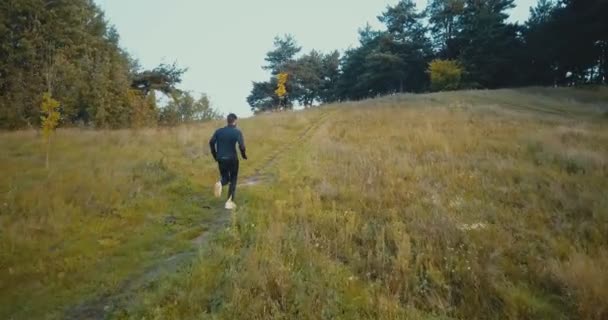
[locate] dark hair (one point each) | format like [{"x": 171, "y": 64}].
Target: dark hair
[{"x": 231, "y": 118}]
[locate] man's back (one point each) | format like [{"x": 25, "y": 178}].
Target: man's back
[{"x": 225, "y": 140}]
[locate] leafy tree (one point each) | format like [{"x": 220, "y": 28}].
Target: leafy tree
[
  {"x": 143, "y": 111},
  {"x": 50, "y": 120},
  {"x": 445, "y": 74},
  {"x": 48, "y": 44},
  {"x": 67, "y": 47},
  {"x": 169, "y": 115},
  {"x": 203, "y": 111},
  {"x": 281, "y": 82},
  {"x": 184, "y": 108}
]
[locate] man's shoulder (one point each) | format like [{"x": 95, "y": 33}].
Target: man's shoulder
[
  {"x": 228, "y": 130},
  {"x": 233, "y": 129},
  {"x": 220, "y": 130}
]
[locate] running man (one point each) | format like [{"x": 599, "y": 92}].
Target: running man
[{"x": 223, "y": 149}]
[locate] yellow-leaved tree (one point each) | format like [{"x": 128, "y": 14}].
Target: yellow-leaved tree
[
  {"x": 50, "y": 120},
  {"x": 445, "y": 74},
  {"x": 281, "y": 91},
  {"x": 143, "y": 112}
]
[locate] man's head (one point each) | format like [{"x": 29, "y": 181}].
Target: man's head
[{"x": 231, "y": 119}]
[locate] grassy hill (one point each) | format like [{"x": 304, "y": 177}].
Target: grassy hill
[{"x": 474, "y": 204}]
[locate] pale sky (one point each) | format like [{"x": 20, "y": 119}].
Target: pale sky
[{"x": 223, "y": 43}]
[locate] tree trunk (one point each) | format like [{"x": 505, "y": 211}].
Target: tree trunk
[
  {"x": 48, "y": 151},
  {"x": 604, "y": 64}
]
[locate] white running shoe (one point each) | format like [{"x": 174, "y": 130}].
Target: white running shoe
[
  {"x": 230, "y": 205},
  {"x": 217, "y": 189}
]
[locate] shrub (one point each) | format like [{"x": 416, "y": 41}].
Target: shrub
[{"x": 445, "y": 74}]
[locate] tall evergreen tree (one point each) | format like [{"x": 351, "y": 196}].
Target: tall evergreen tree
[
  {"x": 444, "y": 22},
  {"x": 540, "y": 44},
  {"x": 307, "y": 73},
  {"x": 491, "y": 48},
  {"x": 285, "y": 49},
  {"x": 583, "y": 30},
  {"x": 262, "y": 97},
  {"x": 282, "y": 58},
  {"x": 407, "y": 48},
  {"x": 331, "y": 75},
  {"x": 390, "y": 61},
  {"x": 353, "y": 84}
]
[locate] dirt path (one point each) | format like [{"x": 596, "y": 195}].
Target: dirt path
[
  {"x": 260, "y": 174},
  {"x": 125, "y": 296}
]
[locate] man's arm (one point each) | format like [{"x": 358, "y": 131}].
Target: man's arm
[
  {"x": 212, "y": 142},
  {"x": 242, "y": 145}
]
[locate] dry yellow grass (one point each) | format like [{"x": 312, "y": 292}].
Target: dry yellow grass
[
  {"x": 463, "y": 205},
  {"x": 113, "y": 204}
]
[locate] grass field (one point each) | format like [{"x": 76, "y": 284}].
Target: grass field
[{"x": 457, "y": 205}]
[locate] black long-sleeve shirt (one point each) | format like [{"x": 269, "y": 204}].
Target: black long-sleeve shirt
[{"x": 223, "y": 143}]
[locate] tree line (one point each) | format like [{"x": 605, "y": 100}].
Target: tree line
[
  {"x": 450, "y": 44},
  {"x": 66, "y": 48}
]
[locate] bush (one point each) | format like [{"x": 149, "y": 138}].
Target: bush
[{"x": 445, "y": 74}]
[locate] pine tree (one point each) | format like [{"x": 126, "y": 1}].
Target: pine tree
[
  {"x": 491, "y": 50},
  {"x": 444, "y": 22}
]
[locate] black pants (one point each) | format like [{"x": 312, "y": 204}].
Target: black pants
[{"x": 229, "y": 170}]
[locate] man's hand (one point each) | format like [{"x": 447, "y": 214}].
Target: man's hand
[{"x": 244, "y": 156}]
